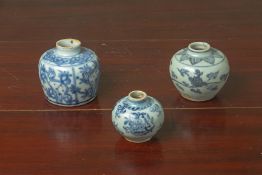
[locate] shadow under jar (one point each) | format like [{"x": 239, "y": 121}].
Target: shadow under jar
[
  {"x": 199, "y": 71},
  {"x": 69, "y": 73}
]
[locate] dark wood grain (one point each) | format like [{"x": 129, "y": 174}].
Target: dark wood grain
[
  {"x": 135, "y": 41},
  {"x": 198, "y": 141},
  {"x": 23, "y": 20}
]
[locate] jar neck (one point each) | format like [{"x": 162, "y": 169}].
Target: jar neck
[
  {"x": 68, "y": 47},
  {"x": 137, "y": 96},
  {"x": 199, "y": 49}
]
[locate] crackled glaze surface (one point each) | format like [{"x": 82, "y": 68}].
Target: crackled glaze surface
[
  {"x": 197, "y": 75},
  {"x": 69, "y": 80},
  {"x": 138, "y": 121}
]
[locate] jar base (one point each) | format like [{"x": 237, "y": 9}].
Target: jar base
[
  {"x": 138, "y": 140},
  {"x": 74, "y": 105},
  {"x": 197, "y": 100}
]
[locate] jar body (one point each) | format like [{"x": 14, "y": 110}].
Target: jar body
[
  {"x": 138, "y": 121},
  {"x": 199, "y": 76},
  {"x": 69, "y": 80}
]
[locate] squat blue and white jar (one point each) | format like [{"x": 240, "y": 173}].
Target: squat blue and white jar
[
  {"x": 69, "y": 73},
  {"x": 199, "y": 71},
  {"x": 138, "y": 116}
]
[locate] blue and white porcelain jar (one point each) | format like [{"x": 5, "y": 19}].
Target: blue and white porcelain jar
[
  {"x": 69, "y": 73},
  {"x": 199, "y": 71},
  {"x": 137, "y": 116}
]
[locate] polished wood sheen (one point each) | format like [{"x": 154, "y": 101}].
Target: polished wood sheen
[{"x": 135, "y": 41}]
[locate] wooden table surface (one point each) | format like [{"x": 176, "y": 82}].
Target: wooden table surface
[{"x": 135, "y": 40}]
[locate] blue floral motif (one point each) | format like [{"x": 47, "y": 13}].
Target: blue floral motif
[
  {"x": 74, "y": 89},
  {"x": 51, "y": 73},
  {"x": 223, "y": 77},
  {"x": 185, "y": 84},
  {"x": 68, "y": 98},
  {"x": 180, "y": 87},
  {"x": 69, "y": 80},
  {"x": 87, "y": 93},
  {"x": 173, "y": 75},
  {"x": 212, "y": 75},
  {"x": 85, "y": 70},
  {"x": 212, "y": 87},
  {"x": 53, "y": 58},
  {"x": 200, "y": 71},
  {"x": 156, "y": 108},
  {"x": 211, "y": 59},
  {"x": 43, "y": 75},
  {"x": 120, "y": 110},
  {"x": 183, "y": 72},
  {"x": 196, "y": 81},
  {"x": 196, "y": 91},
  {"x": 137, "y": 120},
  {"x": 127, "y": 104},
  {"x": 51, "y": 93},
  {"x": 61, "y": 86},
  {"x": 88, "y": 70},
  {"x": 139, "y": 125},
  {"x": 64, "y": 77}
]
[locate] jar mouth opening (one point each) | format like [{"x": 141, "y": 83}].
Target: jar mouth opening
[
  {"x": 199, "y": 46},
  {"x": 137, "y": 95},
  {"x": 68, "y": 43}
]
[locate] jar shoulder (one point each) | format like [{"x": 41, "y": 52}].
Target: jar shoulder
[
  {"x": 212, "y": 58},
  {"x": 86, "y": 55},
  {"x": 213, "y": 62},
  {"x": 126, "y": 106}
]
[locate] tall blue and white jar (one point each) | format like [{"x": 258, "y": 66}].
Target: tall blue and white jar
[
  {"x": 199, "y": 71},
  {"x": 69, "y": 73},
  {"x": 137, "y": 116}
]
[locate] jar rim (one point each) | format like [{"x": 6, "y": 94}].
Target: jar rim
[
  {"x": 68, "y": 43},
  {"x": 199, "y": 46},
  {"x": 137, "y": 95}
]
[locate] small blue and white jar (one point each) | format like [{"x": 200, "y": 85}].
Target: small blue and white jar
[
  {"x": 137, "y": 116},
  {"x": 199, "y": 71},
  {"x": 69, "y": 73}
]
